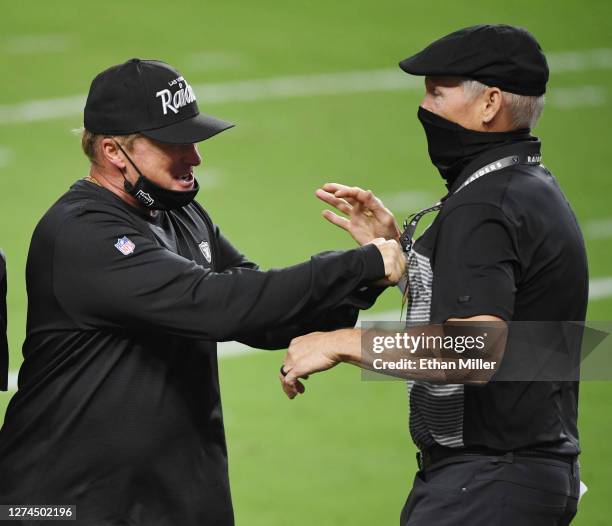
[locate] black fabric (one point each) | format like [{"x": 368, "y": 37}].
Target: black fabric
[
  {"x": 475, "y": 260},
  {"x": 500, "y": 55},
  {"x": 509, "y": 245},
  {"x": 152, "y": 195},
  {"x": 199, "y": 128},
  {"x": 452, "y": 147},
  {"x": 150, "y": 97},
  {"x": 118, "y": 409},
  {"x": 439, "y": 455},
  {"x": 4, "y": 353},
  {"x": 505, "y": 491}
]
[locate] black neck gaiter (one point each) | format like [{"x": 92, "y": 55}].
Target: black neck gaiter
[
  {"x": 154, "y": 196},
  {"x": 452, "y": 147},
  {"x": 151, "y": 195}
]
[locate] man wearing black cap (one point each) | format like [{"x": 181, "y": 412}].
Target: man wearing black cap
[
  {"x": 130, "y": 286},
  {"x": 504, "y": 246}
]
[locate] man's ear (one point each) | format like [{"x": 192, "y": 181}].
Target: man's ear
[
  {"x": 491, "y": 105},
  {"x": 111, "y": 152}
]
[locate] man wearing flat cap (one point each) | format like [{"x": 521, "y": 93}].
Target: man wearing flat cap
[
  {"x": 130, "y": 286},
  {"x": 504, "y": 247}
]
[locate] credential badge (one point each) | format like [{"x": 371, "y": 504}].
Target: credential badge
[{"x": 205, "y": 249}]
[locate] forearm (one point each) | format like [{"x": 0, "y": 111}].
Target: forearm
[
  {"x": 425, "y": 364},
  {"x": 351, "y": 351},
  {"x": 315, "y": 297},
  {"x": 280, "y": 336},
  {"x": 451, "y": 353},
  {"x": 175, "y": 296},
  {"x": 343, "y": 315}
]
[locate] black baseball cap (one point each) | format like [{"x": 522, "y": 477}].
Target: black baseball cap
[
  {"x": 148, "y": 97},
  {"x": 499, "y": 55}
]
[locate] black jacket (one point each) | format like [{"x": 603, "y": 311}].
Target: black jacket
[{"x": 118, "y": 409}]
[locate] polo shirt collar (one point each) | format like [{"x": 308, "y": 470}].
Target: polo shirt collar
[{"x": 530, "y": 146}]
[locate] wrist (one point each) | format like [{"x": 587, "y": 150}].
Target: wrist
[{"x": 349, "y": 346}]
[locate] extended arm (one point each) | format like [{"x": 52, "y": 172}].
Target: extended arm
[
  {"x": 316, "y": 318},
  {"x": 155, "y": 290},
  {"x": 469, "y": 285},
  {"x": 320, "y": 351}
]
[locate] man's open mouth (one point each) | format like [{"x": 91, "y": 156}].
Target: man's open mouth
[{"x": 186, "y": 180}]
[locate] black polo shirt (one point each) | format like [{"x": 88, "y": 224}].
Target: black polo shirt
[{"x": 507, "y": 245}]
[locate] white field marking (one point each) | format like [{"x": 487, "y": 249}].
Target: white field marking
[
  {"x": 310, "y": 85},
  {"x": 42, "y": 110},
  {"x": 598, "y": 228},
  {"x": 407, "y": 201},
  {"x": 30, "y": 44},
  {"x": 600, "y": 288},
  {"x": 577, "y": 96},
  {"x": 234, "y": 91},
  {"x": 6, "y": 156},
  {"x": 215, "y": 60},
  {"x": 313, "y": 85},
  {"x": 12, "y": 380},
  {"x": 565, "y": 61}
]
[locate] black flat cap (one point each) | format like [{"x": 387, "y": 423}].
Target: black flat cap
[{"x": 500, "y": 55}]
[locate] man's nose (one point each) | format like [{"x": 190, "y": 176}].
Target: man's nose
[
  {"x": 425, "y": 103},
  {"x": 192, "y": 154}
]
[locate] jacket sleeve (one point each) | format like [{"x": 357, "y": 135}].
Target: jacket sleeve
[
  {"x": 149, "y": 288},
  {"x": 343, "y": 314}
]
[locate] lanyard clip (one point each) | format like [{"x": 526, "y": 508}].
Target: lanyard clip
[{"x": 405, "y": 238}]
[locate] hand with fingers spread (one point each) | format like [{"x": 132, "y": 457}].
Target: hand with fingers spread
[
  {"x": 313, "y": 353},
  {"x": 393, "y": 257},
  {"x": 367, "y": 216}
]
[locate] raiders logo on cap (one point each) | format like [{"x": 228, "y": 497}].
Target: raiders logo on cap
[{"x": 148, "y": 97}]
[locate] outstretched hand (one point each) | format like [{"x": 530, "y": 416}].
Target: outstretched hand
[
  {"x": 316, "y": 352},
  {"x": 368, "y": 218}
]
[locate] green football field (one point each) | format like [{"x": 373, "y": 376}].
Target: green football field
[{"x": 316, "y": 94}]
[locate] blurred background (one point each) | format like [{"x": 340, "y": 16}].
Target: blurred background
[{"x": 317, "y": 96}]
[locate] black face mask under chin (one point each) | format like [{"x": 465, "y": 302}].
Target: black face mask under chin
[
  {"x": 452, "y": 147},
  {"x": 152, "y": 195}
]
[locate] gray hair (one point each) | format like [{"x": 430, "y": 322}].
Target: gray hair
[{"x": 524, "y": 110}]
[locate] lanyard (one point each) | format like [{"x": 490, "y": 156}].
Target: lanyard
[{"x": 410, "y": 224}]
